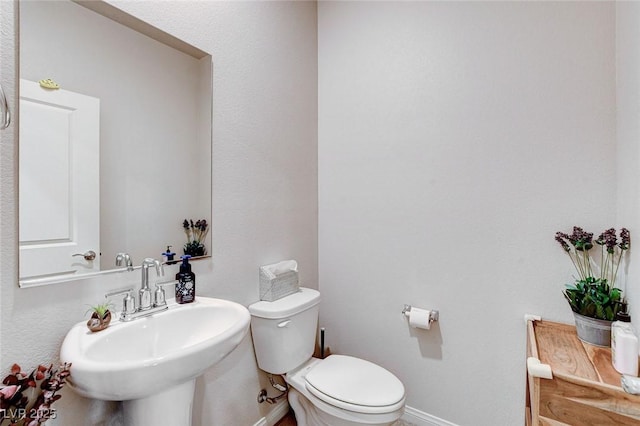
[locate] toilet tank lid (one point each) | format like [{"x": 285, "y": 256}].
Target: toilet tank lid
[{"x": 289, "y": 305}]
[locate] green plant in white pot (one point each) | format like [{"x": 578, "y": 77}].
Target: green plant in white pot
[{"x": 594, "y": 298}]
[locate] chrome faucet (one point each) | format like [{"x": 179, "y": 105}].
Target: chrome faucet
[
  {"x": 144, "y": 294},
  {"x": 120, "y": 257},
  {"x": 131, "y": 312},
  {"x": 143, "y": 308}
]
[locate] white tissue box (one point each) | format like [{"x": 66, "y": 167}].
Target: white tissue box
[{"x": 278, "y": 280}]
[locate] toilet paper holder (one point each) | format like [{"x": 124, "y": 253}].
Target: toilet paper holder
[{"x": 433, "y": 315}]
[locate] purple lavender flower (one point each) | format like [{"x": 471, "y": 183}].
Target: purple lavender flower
[
  {"x": 196, "y": 233},
  {"x": 606, "y": 270},
  {"x": 561, "y": 238},
  {"x": 581, "y": 239},
  {"x": 625, "y": 239},
  {"x": 610, "y": 239}
]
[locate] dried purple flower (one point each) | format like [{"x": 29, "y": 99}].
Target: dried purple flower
[
  {"x": 610, "y": 239},
  {"x": 580, "y": 239},
  {"x": 625, "y": 239},
  {"x": 611, "y": 253},
  {"x": 561, "y": 238},
  {"x": 196, "y": 233}
]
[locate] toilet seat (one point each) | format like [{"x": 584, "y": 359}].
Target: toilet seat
[{"x": 356, "y": 385}]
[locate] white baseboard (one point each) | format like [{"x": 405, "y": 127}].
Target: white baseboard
[
  {"x": 411, "y": 415},
  {"x": 261, "y": 422},
  {"x": 420, "y": 418},
  {"x": 278, "y": 411}
]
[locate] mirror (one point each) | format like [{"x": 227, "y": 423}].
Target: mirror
[{"x": 144, "y": 104}]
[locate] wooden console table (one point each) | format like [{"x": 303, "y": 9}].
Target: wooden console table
[{"x": 583, "y": 388}]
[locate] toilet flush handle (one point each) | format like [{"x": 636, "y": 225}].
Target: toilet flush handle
[{"x": 283, "y": 323}]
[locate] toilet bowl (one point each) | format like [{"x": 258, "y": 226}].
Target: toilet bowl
[
  {"x": 344, "y": 391},
  {"x": 339, "y": 390}
]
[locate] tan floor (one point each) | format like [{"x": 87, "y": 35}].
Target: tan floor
[{"x": 288, "y": 420}]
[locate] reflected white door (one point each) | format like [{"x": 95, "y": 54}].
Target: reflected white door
[{"x": 59, "y": 181}]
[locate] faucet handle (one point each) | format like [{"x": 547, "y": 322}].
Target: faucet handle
[
  {"x": 160, "y": 296},
  {"x": 128, "y": 302},
  {"x": 154, "y": 262},
  {"x": 120, "y": 257}
]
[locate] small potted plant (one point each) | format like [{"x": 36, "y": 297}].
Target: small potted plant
[
  {"x": 100, "y": 317},
  {"x": 593, "y": 297},
  {"x": 196, "y": 233}
]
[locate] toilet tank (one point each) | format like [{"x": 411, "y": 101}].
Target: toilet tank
[{"x": 284, "y": 331}]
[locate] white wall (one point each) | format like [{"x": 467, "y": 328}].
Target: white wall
[
  {"x": 628, "y": 135},
  {"x": 264, "y": 191},
  {"x": 455, "y": 139}
]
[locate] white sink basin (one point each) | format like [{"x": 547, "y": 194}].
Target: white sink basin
[{"x": 136, "y": 359}]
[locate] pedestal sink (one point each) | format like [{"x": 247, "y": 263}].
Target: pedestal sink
[{"x": 151, "y": 363}]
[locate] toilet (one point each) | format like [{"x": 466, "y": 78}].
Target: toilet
[{"x": 339, "y": 390}]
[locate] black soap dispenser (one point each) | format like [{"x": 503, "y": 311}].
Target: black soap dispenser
[
  {"x": 186, "y": 286},
  {"x": 169, "y": 255}
]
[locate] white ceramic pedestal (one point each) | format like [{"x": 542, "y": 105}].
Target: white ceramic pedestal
[{"x": 173, "y": 407}]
